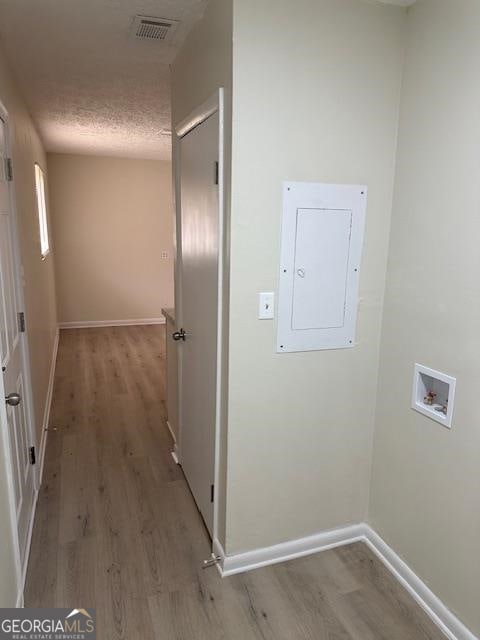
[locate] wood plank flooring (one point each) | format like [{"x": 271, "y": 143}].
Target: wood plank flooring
[{"x": 116, "y": 527}]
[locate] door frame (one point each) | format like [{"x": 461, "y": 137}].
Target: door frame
[
  {"x": 28, "y": 390},
  {"x": 215, "y": 104}
]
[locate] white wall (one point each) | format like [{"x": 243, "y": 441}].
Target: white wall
[
  {"x": 316, "y": 98},
  {"x": 426, "y": 480},
  {"x": 112, "y": 218},
  {"x": 39, "y": 290}
]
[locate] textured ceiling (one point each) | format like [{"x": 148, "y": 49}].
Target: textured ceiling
[{"x": 90, "y": 87}]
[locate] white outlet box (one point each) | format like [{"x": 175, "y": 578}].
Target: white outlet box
[{"x": 427, "y": 381}]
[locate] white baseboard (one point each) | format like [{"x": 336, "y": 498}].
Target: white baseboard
[
  {"x": 172, "y": 433},
  {"x": 86, "y": 324},
  {"x": 446, "y": 621},
  {"x": 46, "y": 413},
  {"x": 218, "y": 552},
  {"x": 175, "y": 452},
  {"x": 257, "y": 558}
]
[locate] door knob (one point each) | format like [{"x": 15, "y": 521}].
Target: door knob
[
  {"x": 13, "y": 399},
  {"x": 179, "y": 335}
]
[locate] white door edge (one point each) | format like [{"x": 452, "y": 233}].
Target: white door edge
[
  {"x": 28, "y": 394},
  {"x": 216, "y": 103}
]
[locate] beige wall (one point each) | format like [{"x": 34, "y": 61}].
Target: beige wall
[
  {"x": 301, "y": 426},
  {"x": 39, "y": 291},
  {"x": 318, "y": 105},
  {"x": 112, "y": 218},
  {"x": 426, "y": 482},
  {"x": 203, "y": 66},
  {"x": 205, "y": 62}
]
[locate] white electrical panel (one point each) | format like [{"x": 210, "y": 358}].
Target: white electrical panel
[{"x": 322, "y": 239}]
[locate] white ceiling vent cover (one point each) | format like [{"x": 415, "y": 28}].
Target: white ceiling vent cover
[{"x": 153, "y": 29}]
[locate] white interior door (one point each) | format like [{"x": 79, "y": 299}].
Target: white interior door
[
  {"x": 199, "y": 266},
  {"x": 14, "y": 378}
]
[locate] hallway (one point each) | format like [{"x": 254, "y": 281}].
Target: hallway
[
  {"x": 109, "y": 530},
  {"x": 116, "y": 528}
]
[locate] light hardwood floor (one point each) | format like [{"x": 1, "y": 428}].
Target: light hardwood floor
[{"x": 117, "y": 529}]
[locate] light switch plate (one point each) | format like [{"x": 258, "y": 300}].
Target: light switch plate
[{"x": 266, "y": 305}]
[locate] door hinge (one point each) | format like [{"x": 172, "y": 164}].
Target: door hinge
[
  {"x": 31, "y": 455},
  {"x": 9, "y": 169},
  {"x": 216, "y": 172},
  {"x": 212, "y": 492},
  {"x": 21, "y": 322}
]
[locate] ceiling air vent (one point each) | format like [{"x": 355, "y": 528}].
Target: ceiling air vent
[{"x": 154, "y": 29}]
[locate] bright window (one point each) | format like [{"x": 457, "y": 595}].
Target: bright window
[{"x": 42, "y": 211}]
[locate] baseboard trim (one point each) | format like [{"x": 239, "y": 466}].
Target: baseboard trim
[
  {"x": 86, "y": 324},
  {"x": 46, "y": 413},
  {"x": 446, "y": 621},
  {"x": 174, "y": 452},
  {"x": 172, "y": 433},
  {"x": 257, "y": 558}
]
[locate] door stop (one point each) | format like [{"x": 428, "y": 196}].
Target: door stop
[{"x": 211, "y": 562}]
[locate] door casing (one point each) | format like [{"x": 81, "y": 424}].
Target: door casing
[{"x": 216, "y": 103}]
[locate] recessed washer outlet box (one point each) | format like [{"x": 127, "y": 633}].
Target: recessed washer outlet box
[{"x": 433, "y": 394}]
